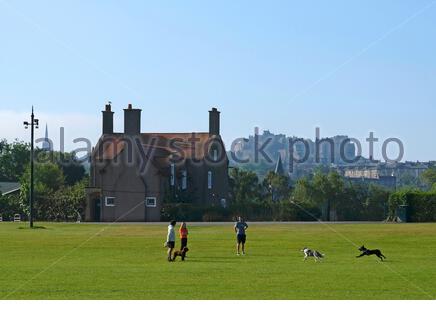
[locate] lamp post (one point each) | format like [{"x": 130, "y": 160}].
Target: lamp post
[{"x": 33, "y": 124}]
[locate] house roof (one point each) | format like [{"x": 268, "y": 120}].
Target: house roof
[
  {"x": 9, "y": 187},
  {"x": 192, "y": 145},
  {"x": 180, "y": 142}
]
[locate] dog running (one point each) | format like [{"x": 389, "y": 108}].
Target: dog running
[
  {"x": 312, "y": 253},
  {"x": 367, "y": 252},
  {"x": 181, "y": 253}
]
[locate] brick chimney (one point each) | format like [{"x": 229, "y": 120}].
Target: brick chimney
[
  {"x": 214, "y": 122},
  {"x": 132, "y": 120},
  {"x": 108, "y": 120}
]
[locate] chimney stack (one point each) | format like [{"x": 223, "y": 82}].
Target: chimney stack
[
  {"x": 108, "y": 120},
  {"x": 132, "y": 120},
  {"x": 214, "y": 122}
]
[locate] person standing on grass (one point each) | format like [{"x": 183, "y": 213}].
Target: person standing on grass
[
  {"x": 171, "y": 239},
  {"x": 183, "y": 232},
  {"x": 241, "y": 237}
]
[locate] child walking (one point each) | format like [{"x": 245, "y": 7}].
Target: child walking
[{"x": 183, "y": 232}]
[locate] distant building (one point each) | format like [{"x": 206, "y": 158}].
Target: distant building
[
  {"x": 300, "y": 157},
  {"x": 134, "y": 174},
  {"x": 389, "y": 174},
  {"x": 389, "y": 182},
  {"x": 279, "y": 167},
  {"x": 46, "y": 144}
]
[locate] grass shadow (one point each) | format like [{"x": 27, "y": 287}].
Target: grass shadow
[
  {"x": 34, "y": 227},
  {"x": 216, "y": 260}
]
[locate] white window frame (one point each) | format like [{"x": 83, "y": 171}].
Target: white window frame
[
  {"x": 184, "y": 179},
  {"x": 209, "y": 180},
  {"x": 109, "y": 204},
  {"x": 173, "y": 174},
  {"x": 223, "y": 202},
  {"x": 151, "y": 205}
]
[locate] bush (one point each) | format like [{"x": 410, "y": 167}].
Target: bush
[
  {"x": 216, "y": 214},
  {"x": 421, "y": 205},
  {"x": 191, "y": 212},
  {"x": 9, "y": 206},
  {"x": 258, "y": 211}
]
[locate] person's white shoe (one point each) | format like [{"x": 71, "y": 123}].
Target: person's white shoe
[{"x": 237, "y": 254}]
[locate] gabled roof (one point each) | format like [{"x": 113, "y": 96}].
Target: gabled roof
[
  {"x": 9, "y": 187},
  {"x": 180, "y": 142},
  {"x": 192, "y": 145}
]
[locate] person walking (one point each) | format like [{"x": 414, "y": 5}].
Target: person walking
[
  {"x": 241, "y": 237},
  {"x": 183, "y": 233},
  {"x": 171, "y": 239}
]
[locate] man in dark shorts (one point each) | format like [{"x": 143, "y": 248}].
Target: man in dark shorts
[{"x": 241, "y": 237}]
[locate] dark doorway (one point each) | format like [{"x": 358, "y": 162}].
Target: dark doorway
[{"x": 97, "y": 210}]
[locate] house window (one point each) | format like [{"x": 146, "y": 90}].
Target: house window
[
  {"x": 150, "y": 202},
  {"x": 184, "y": 179},
  {"x": 173, "y": 173},
  {"x": 209, "y": 179},
  {"x": 215, "y": 155},
  {"x": 110, "y": 201},
  {"x": 223, "y": 203}
]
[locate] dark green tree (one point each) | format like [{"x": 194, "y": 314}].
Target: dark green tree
[
  {"x": 429, "y": 177},
  {"x": 244, "y": 186},
  {"x": 14, "y": 157},
  {"x": 276, "y": 186},
  {"x": 48, "y": 180}
]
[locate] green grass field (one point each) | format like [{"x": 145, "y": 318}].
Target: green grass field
[{"x": 128, "y": 261}]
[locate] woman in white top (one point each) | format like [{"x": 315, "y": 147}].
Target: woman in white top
[{"x": 171, "y": 239}]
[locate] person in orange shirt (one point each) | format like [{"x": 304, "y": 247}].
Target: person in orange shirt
[{"x": 183, "y": 232}]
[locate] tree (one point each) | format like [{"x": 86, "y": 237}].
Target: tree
[
  {"x": 72, "y": 168},
  {"x": 48, "y": 180},
  {"x": 377, "y": 202},
  {"x": 73, "y": 171},
  {"x": 325, "y": 191},
  {"x": 9, "y": 206},
  {"x": 244, "y": 186},
  {"x": 69, "y": 202},
  {"x": 329, "y": 191},
  {"x": 14, "y": 157},
  {"x": 276, "y": 186},
  {"x": 429, "y": 177},
  {"x": 59, "y": 181}
]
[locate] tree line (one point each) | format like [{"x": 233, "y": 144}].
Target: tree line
[
  {"x": 324, "y": 195},
  {"x": 60, "y": 181},
  {"x": 59, "y": 186}
]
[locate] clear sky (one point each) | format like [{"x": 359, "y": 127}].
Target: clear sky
[{"x": 349, "y": 67}]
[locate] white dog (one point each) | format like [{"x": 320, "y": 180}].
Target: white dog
[{"x": 312, "y": 253}]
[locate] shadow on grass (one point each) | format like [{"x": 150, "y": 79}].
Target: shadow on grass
[
  {"x": 34, "y": 227},
  {"x": 216, "y": 260}
]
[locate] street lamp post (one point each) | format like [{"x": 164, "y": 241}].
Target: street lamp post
[{"x": 33, "y": 124}]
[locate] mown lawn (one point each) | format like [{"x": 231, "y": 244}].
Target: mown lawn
[{"x": 128, "y": 261}]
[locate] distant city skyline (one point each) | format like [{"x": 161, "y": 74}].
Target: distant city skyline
[{"x": 287, "y": 67}]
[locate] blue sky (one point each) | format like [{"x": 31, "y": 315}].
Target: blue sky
[{"x": 349, "y": 67}]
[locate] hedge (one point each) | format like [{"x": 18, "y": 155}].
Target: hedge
[
  {"x": 257, "y": 211},
  {"x": 421, "y": 205}
]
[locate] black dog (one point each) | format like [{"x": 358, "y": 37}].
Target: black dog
[
  {"x": 367, "y": 252},
  {"x": 181, "y": 253}
]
